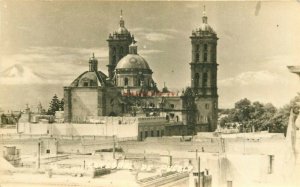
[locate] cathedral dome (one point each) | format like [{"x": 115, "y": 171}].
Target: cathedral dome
[
  {"x": 133, "y": 71},
  {"x": 133, "y": 61},
  {"x": 89, "y": 79}
]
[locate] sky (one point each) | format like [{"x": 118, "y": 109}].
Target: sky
[{"x": 45, "y": 45}]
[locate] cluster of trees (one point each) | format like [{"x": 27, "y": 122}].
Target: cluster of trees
[
  {"x": 55, "y": 105},
  {"x": 259, "y": 116},
  {"x": 10, "y": 119}
]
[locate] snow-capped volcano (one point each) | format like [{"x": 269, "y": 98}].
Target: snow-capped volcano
[{"x": 19, "y": 74}]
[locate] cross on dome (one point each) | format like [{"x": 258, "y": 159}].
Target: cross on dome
[
  {"x": 204, "y": 17},
  {"x": 122, "y": 22}
]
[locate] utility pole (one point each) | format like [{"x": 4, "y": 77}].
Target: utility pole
[
  {"x": 39, "y": 155},
  {"x": 199, "y": 172},
  {"x": 114, "y": 147}
]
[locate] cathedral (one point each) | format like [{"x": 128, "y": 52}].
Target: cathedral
[{"x": 129, "y": 89}]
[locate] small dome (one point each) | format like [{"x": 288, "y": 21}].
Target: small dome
[
  {"x": 89, "y": 79},
  {"x": 133, "y": 61},
  {"x": 206, "y": 28},
  {"x": 122, "y": 30}
]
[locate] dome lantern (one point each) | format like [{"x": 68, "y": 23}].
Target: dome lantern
[
  {"x": 93, "y": 63},
  {"x": 133, "y": 48},
  {"x": 122, "y": 22},
  {"x": 204, "y": 17}
]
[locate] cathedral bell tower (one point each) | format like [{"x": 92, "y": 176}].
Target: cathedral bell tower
[
  {"x": 118, "y": 44},
  {"x": 204, "y": 75}
]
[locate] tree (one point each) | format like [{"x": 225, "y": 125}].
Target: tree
[
  {"x": 251, "y": 115},
  {"x": 224, "y": 120},
  {"x": 262, "y": 116},
  {"x": 243, "y": 113},
  {"x": 61, "y": 104},
  {"x": 280, "y": 120},
  {"x": 54, "y": 105}
]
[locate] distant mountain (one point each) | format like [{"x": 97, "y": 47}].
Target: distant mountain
[
  {"x": 20, "y": 85},
  {"x": 19, "y": 74}
]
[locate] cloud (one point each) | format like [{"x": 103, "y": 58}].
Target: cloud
[
  {"x": 54, "y": 64},
  {"x": 154, "y": 35},
  {"x": 279, "y": 63},
  {"x": 157, "y": 37},
  {"x": 252, "y": 78},
  {"x": 265, "y": 86},
  {"x": 149, "y": 51},
  {"x": 140, "y": 30},
  {"x": 192, "y": 5}
]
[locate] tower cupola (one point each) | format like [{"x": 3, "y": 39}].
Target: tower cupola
[{"x": 118, "y": 43}]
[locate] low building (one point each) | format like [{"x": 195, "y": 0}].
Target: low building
[{"x": 136, "y": 128}]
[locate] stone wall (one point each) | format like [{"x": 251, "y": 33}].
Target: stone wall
[
  {"x": 102, "y": 126},
  {"x": 84, "y": 103}
]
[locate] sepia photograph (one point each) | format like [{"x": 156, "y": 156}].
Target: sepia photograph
[{"x": 149, "y": 93}]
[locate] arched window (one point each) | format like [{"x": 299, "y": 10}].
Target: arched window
[
  {"x": 204, "y": 79},
  {"x": 196, "y": 80},
  {"x": 197, "y": 57},
  {"x": 121, "y": 53},
  {"x": 114, "y": 50},
  {"x": 205, "y": 53},
  {"x": 205, "y": 47},
  {"x": 205, "y": 57},
  {"x": 139, "y": 82},
  {"x": 167, "y": 118},
  {"x": 114, "y": 59},
  {"x": 126, "y": 81},
  {"x": 197, "y": 47},
  {"x": 205, "y": 119},
  {"x": 206, "y": 106}
]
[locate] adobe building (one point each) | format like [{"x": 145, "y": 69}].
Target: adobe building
[{"x": 130, "y": 89}]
